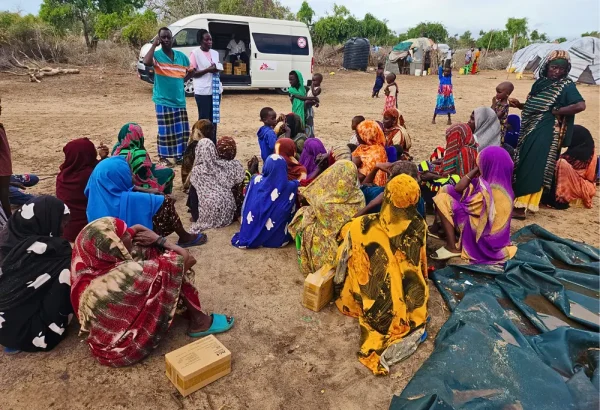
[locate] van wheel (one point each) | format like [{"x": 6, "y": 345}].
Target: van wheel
[
  {"x": 189, "y": 88},
  {"x": 282, "y": 91}
]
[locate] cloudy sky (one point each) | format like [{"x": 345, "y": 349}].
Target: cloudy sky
[{"x": 556, "y": 18}]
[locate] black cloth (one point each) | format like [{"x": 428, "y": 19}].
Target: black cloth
[
  {"x": 205, "y": 112},
  {"x": 192, "y": 203},
  {"x": 582, "y": 145},
  {"x": 35, "y": 283}
]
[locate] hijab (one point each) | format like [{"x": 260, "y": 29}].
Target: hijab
[
  {"x": 312, "y": 148},
  {"x": 286, "y": 148},
  {"x": 460, "y": 154},
  {"x": 487, "y": 128},
  {"x": 201, "y": 129},
  {"x": 372, "y": 150},
  {"x": 298, "y": 105},
  {"x": 110, "y": 193},
  {"x": 399, "y": 125},
  {"x": 580, "y": 152},
  {"x": 80, "y": 160},
  {"x": 226, "y": 148}
]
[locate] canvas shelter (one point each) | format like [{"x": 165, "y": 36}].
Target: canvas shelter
[{"x": 416, "y": 48}]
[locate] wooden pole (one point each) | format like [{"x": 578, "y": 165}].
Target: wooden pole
[{"x": 488, "y": 47}]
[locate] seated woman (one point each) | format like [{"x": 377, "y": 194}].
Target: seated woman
[
  {"x": 395, "y": 132},
  {"x": 370, "y": 151},
  {"x": 35, "y": 281},
  {"x": 382, "y": 266},
  {"x": 374, "y": 194},
  {"x": 293, "y": 128},
  {"x": 110, "y": 192},
  {"x": 145, "y": 174},
  {"x": 333, "y": 198},
  {"x": 313, "y": 150},
  {"x": 480, "y": 206},
  {"x": 575, "y": 173},
  {"x": 80, "y": 161},
  {"x": 201, "y": 129},
  {"x": 286, "y": 148},
  {"x": 126, "y": 287},
  {"x": 486, "y": 128},
  {"x": 213, "y": 180},
  {"x": 269, "y": 207}
]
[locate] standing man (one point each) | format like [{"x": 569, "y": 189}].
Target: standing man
[
  {"x": 236, "y": 50},
  {"x": 170, "y": 73}
]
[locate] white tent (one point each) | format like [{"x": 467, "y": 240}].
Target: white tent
[{"x": 584, "y": 52}]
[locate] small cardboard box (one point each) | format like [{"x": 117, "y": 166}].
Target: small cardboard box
[
  {"x": 318, "y": 289},
  {"x": 228, "y": 68},
  {"x": 197, "y": 364}
]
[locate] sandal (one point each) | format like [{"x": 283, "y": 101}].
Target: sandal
[
  {"x": 11, "y": 351},
  {"x": 518, "y": 217},
  {"x": 444, "y": 254},
  {"x": 200, "y": 240},
  {"x": 165, "y": 163},
  {"x": 220, "y": 324}
]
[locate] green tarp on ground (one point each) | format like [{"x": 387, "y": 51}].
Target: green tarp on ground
[{"x": 524, "y": 336}]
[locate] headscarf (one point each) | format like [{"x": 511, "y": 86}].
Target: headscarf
[
  {"x": 80, "y": 160},
  {"x": 32, "y": 251},
  {"x": 298, "y": 105},
  {"x": 201, "y": 129},
  {"x": 226, "y": 148},
  {"x": 268, "y": 208},
  {"x": 286, "y": 148},
  {"x": 399, "y": 126},
  {"x": 543, "y": 83},
  {"x": 487, "y": 128},
  {"x": 213, "y": 179},
  {"x": 372, "y": 150},
  {"x": 312, "y": 148},
  {"x": 130, "y": 145},
  {"x": 334, "y": 197},
  {"x": 382, "y": 265},
  {"x": 294, "y": 123},
  {"x": 580, "y": 152},
  {"x": 110, "y": 193},
  {"x": 461, "y": 151}
]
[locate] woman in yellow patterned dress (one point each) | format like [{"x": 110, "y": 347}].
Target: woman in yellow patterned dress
[
  {"x": 334, "y": 197},
  {"x": 382, "y": 265}
]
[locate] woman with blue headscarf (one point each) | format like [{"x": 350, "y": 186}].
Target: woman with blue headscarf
[
  {"x": 269, "y": 207},
  {"x": 110, "y": 192}
]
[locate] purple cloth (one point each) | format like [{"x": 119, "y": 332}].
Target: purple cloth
[
  {"x": 308, "y": 158},
  {"x": 486, "y": 203}
]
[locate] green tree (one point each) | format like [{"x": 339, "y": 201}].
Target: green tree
[
  {"x": 536, "y": 37},
  {"x": 496, "y": 39},
  {"x": 141, "y": 28},
  {"x": 435, "y": 31},
  {"x": 517, "y": 29},
  {"x": 466, "y": 40},
  {"x": 591, "y": 34},
  {"x": 452, "y": 41},
  {"x": 305, "y": 14},
  {"x": 561, "y": 40}
]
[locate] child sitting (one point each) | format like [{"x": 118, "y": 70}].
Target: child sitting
[
  {"x": 379, "y": 80},
  {"x": 445, "y": 99},
  {"x": 312, "y": 101},
  {"x": 391, "y": 99},
  {"x": 266, "y": 134},
  {"x": 355, "y": 121},
  {"x": 500, "y": 104}
]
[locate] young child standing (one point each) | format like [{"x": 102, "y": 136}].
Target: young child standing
[
  {"x": 266, "y": 134},
  {"x": 445, "y": 98},
  {"x": 379, "y": 80},
  {"x": 312, "y": 101},
  {"x": 391, "y": 99},
  {"x": 500, "y": 104}
]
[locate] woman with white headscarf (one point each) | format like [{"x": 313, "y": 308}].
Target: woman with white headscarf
[{"x": 486, "y": 128}]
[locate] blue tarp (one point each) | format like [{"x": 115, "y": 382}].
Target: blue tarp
[{"x": 524, "y": 336}]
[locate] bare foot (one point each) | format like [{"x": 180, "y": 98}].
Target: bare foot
[
  {"x": 199, "y": 322},
  {"x": 519, "y": 214},
  {"x": 433, "y": 121},
  {"x": 449, "y": 122}
]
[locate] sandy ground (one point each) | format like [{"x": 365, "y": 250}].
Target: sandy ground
[{"x": 284, "y": 356}]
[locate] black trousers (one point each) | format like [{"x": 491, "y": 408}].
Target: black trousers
[{"x": 205, "y": 112}]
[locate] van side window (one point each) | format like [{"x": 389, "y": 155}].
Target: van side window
[
  {"x": 186, "y": 38},
  {"x": 281, "y": 44}
]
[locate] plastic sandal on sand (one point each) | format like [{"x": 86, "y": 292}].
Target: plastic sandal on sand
[
  {"x": 444, "y": 254},
  {"x": 219, "y": 325},
  {"x": 8, "y": 350},
  {"x": 200, "y": 240}
]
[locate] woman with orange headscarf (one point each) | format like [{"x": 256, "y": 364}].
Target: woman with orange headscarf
[
  {"x": 287, "y": 149},
  {"x": 371, "y": 150},
  {"x": 394, "y": 129}
]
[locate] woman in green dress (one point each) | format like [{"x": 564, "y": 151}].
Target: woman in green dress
[
  {"x": 146, "y": 175},
  {"x": 546, "y": 126}
]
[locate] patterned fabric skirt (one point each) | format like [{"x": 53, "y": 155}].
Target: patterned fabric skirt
[
  {"x": 445, "y": 101},
  {"x": 173, "y": 131},
  {"x": 166, "y": 220}
]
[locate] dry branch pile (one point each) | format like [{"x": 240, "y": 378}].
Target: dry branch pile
[{"x": 33, "y": 70}]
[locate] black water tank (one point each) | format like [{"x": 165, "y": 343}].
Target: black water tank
[{"x": 356, "y": 54}]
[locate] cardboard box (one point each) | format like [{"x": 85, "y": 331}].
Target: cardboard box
[
  {"x": 318, "y": 289},
  {"x": 228, "y": 68},
  {"x": 197, "y": 364}
]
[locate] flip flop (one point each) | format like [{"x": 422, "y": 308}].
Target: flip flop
[
  {"x": 219, "y": 325},
  {"x": 443, "y": 254},
  {"x": 200, "y": 240},
  {"x": 518, "y": 217}
]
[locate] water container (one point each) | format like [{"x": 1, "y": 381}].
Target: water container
[
  {"x": 356, "y": 54},
  {"x": 417, "y": 72}
]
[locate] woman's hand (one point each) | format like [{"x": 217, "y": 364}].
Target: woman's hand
[
  {"x": 384, "y": 166},
  {"x": 145, "y": 237},
  {"x": 514, "y": 103},
  {"x": 102, "y": 151},
  {"x": 253, "y": 165}
]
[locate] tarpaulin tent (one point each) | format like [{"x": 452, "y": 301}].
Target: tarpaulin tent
[
  {"x": 584, "y": 52},
  {"x": 417, "y": 47}
]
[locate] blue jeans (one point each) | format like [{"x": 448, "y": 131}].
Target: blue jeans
[{"x": 15, "y": 195}]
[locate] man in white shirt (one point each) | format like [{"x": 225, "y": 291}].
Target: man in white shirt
[{"x": 236, "y": 50}]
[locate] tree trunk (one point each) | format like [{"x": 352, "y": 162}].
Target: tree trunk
[{"x": 86, "y": 33}]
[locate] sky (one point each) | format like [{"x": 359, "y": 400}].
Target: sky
[{"x": 555, "y": 18}]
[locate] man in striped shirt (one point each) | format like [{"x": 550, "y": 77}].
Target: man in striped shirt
[{"x": 171, "y": 70}]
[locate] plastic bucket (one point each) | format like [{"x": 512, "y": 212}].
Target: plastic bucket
[{"x": 417, "y": 72}]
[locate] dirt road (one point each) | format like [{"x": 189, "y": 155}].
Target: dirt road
[{"x": 284, "y": 356}]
